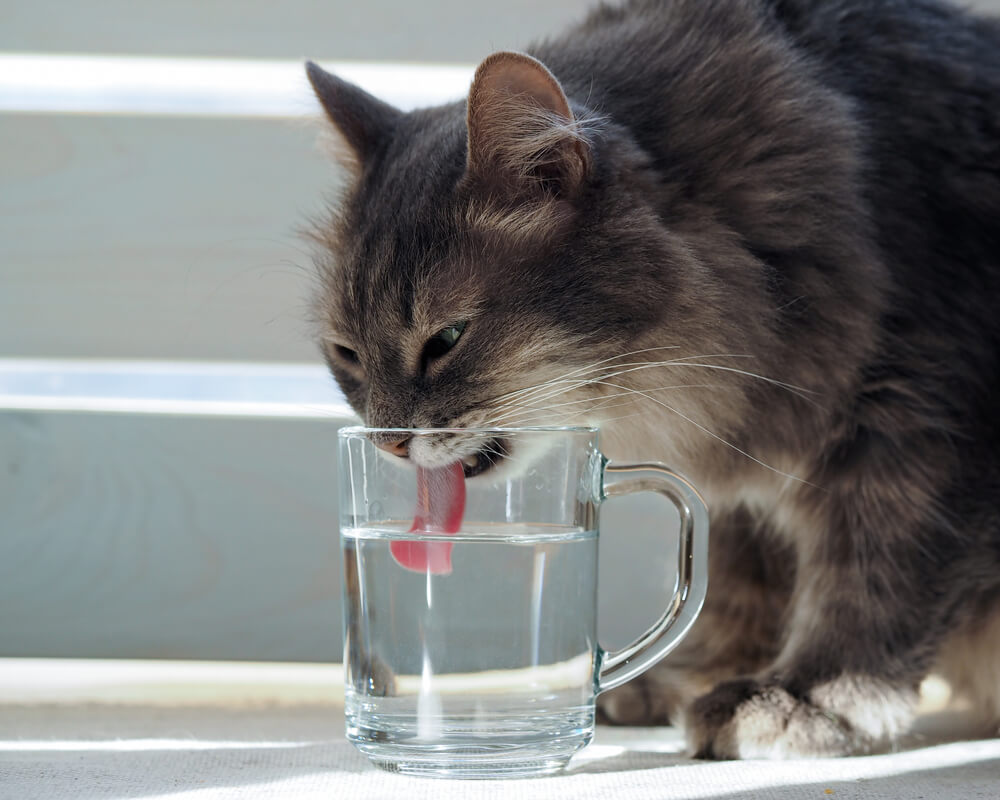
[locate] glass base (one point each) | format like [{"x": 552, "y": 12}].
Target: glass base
[
  {"x": 481, "y": 762},
  {"x": 505, "y": 740}
]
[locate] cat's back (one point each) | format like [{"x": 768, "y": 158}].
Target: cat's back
[
  {"x": 923, "y": 77},
  {"x": 911, "y": 88},
  {"x": 924, "y": 80},
  {"x": 768, "y": 113},
  {"x": 913, "y": 70}
]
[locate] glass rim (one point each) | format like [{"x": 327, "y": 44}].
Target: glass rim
[{"x": 361, "y": 430}]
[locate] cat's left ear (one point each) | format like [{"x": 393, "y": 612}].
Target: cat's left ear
[
  {"x": 522, "y": 132},
  {"x": 362, "y": 120}
]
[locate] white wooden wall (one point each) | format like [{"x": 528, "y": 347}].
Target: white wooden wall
[
  {"x": 184, "y": 531},
  {"x": 130, "y": 526},
  {"x": 175, "y": 237}
]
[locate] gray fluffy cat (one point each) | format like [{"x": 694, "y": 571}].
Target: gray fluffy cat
[{"x": 767, "y": 235}]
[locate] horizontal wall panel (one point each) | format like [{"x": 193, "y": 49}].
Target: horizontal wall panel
[
  {"x": 437, "y": 31},
  {"x": 443, "y": 30},
  {"x": 157, "y": 237},
  {"x": 168, "y": 537},
  {"x": 138, "y": 535}
]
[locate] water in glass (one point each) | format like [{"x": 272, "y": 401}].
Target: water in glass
[{"x": 489, "y": 669}]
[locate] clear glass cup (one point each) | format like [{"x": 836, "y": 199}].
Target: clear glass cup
[{"x": 479, "y": 658}]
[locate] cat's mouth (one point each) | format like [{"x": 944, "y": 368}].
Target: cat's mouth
[{"x": 485, "y": 458}]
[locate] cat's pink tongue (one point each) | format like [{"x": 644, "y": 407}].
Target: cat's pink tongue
[{"x": 440, "y": 508}]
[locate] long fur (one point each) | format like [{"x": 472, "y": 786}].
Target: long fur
[{"x": 775, "y": 264}]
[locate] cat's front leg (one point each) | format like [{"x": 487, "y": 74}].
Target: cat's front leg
[
  {"x": 866, "y": 618},
  {"x": 737, "y": 632}
]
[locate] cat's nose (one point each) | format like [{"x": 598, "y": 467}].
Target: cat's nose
[{"x": 398, "y": 447}]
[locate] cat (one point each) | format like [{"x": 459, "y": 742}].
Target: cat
[{"x": 758, "y": 240}]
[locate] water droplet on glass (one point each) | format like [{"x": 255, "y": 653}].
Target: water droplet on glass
[{"x": 375, "y": 510}]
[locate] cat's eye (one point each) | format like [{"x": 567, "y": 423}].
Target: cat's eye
[
  {"x": 346, "y": 354},
  {"x": 440, "y": 343}
]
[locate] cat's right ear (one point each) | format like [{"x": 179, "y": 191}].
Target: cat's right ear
[
  {"x": 361, "y": 119},
  {"x": 523, "y": 135}
]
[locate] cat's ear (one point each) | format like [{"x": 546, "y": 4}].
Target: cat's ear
[
  {"x": 361, "y": 119},
  {"x": 522, "y": 132}
]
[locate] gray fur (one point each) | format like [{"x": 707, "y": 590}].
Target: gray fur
[{"x": 805, "y": 190}]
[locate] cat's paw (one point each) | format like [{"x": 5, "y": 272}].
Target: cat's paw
[
  {"x": 645, "y": 700},
  {"x": 748, "y": 719},
  {"x": 744, "y": 719}
]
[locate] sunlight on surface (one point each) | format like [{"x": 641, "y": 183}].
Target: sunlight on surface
[
  {"x": 144, "y": 723},
  {"x": 138, "y": 745}
]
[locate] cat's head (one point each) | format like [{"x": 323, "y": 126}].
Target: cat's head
[{"x": 495, "y": 262}]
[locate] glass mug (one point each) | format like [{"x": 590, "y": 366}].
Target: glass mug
[{"x": 471, "y": 650}]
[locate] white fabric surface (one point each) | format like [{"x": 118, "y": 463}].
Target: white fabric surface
[
  {"x": 244, "y": 747},
  {"x": 88, "y": 752}
]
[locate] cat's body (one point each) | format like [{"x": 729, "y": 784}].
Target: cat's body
[{"x": 801, "y": 199}]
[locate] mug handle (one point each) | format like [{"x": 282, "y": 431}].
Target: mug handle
[{"x": 619, "y": 666}]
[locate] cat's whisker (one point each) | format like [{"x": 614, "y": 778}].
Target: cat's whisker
[
  {"x": 646, "y": 394},
  {"x": 545, "y": 414},
  {"x": 623, "y": 416},
  {"x": 719, "y": 438},
  {"x": 527, "y": 392},
  {"x": 517, "y": 415},
  {"x": 593, "y": 366},
  {"x": 557, "y": 385},
  {"x": 500, "y": 455},
  {"x": 531, "y": 409},
  {"x": 683, "y": 363},
  {"x": 575, "y": 416},
  {"x": 550, "y": 389},
  {"x": 565, "y": 418},
  {"x": 580, "y": 416},
  {"x": 799, "y": 391},
  {"x": 521, "y": 407},
  {"x": 636, "y": 366},
  {"x": 554, "y": 388},
  {"x": 537, "y": 391},
  {"x": 588, "y": 367}
]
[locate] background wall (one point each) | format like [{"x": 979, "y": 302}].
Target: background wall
[
  {"x": 153, "y": 237},
  {"x": 176, "y": 237},
  {"x": 163, "y": 513}
]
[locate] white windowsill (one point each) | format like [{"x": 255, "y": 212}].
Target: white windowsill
[{"x": 168, "y": 683}]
